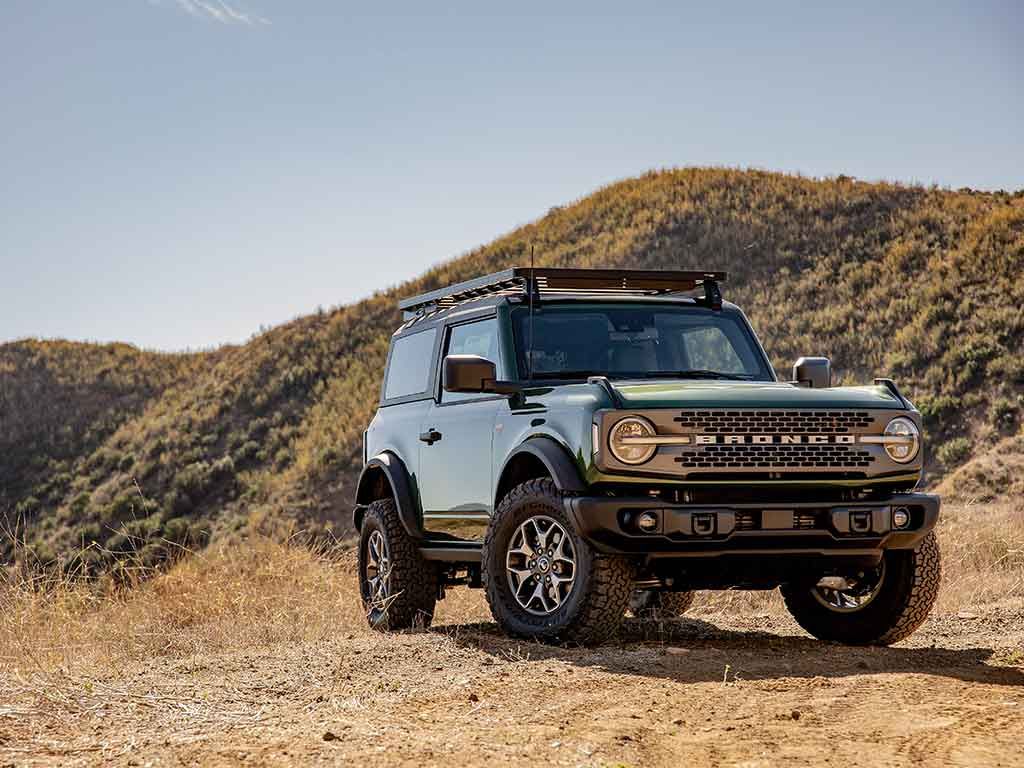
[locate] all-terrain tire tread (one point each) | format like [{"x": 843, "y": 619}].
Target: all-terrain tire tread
[
  {"x": 611, "y": 581},
  {"x": 927, "y": 578},
  {"x": 413, "y": 580},
  {"x": 913, "y": 606}
]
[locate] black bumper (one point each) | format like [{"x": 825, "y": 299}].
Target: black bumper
[{"x": 612, "y": 525}]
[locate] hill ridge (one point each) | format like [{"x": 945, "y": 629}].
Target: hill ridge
[{"x": 917, "y": 283}]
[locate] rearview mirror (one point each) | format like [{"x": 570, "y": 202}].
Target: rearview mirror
[
  {"x": 472, "y": 373},
  {"x": 814, "y": 372}
]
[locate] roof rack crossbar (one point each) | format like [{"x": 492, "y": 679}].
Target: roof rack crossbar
[{"x": 602, "y": 282}]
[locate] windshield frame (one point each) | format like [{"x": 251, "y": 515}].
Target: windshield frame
[{"x": 765, "y": 375}]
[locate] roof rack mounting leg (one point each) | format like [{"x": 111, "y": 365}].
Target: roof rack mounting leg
[{"x": 712, "y": 295}]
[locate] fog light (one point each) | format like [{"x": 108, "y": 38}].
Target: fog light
[
  {"x": 900, "y": 517},
  {"x": 647, "y": 522}
]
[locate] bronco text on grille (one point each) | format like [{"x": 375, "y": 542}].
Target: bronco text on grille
[
  {"x": 774, "y": 422},
  {"x": 774, "y": 439}
]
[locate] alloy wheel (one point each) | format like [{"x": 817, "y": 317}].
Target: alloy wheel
[
  {"x": 378, "y": 566},
  {"x": 541, "y": 565},
  {"x": 861, "y": 591}
]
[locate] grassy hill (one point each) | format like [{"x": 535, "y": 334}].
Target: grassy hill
[{"x": 116, "y": 455}]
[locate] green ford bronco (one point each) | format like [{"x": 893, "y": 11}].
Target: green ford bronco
[{"x": 583, "y": 443}]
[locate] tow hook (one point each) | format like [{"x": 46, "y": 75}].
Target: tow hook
[{"x": 703, "y": 523}]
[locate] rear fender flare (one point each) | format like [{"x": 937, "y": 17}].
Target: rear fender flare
[{"x": 388, "y": 466}]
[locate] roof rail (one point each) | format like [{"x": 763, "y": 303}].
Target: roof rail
[{"x": 606, "y": 282}]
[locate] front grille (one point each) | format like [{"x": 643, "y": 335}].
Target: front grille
[
  {"x": 774, "y": 422},
  {"x": 774, "y": 456}
]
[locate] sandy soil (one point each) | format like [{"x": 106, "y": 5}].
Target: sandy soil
[{"x": 707, "y": 690}]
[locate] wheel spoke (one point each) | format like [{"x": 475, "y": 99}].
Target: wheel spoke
[
  {"x": 560, "y": 553},
  {"x": 860, "y": 591},
  {"x": 541, "y": 537},
  {"x": 556, "y": 580},
  {"x": 522, "y": 574},
  {"x": 523, "y": 547},
  {"x": 540, "y": 593},
  {"x": 377, "y": 570},
  {"x": 541, "y": 565}
]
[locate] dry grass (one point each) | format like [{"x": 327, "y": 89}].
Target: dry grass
[
  {"x": 257, "y": 652},
  {"x": 241, "y": 595},
  {"x": 260, "y": 593}
]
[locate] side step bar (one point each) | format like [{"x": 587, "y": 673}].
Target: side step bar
[{"x": 452, "y": 551}]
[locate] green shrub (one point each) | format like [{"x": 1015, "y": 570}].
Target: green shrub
[
  {"x": 177, "y": 529},
  {"x": 1003, "y": 413},
  {"x": 936, "y": 409},
  {"x": 80, "y": 504},
  {"x": 125, "y": 507},
  {"x": 178, "y": 503},
  {"x": 118, "y": 543},
  {"x": 223, "y": 468},
  {"x": 27, "y": 507},
  {"x": 954, "y": 451},
  {"x": 194, "y": 480},
  {"x": 89, "y": 532},
  {"x": 247, "y": 452}
]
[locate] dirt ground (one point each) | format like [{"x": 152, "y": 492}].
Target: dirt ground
[{"x": 750, "y": 690}]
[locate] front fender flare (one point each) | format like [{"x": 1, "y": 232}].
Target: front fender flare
[
  {"x": 397, "y": 477},
  {"x": 556, "y": 459}
]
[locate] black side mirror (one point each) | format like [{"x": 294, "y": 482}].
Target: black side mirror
[
  {"x": 814, "y": 372},
  {"x": 472, "y": 373}
]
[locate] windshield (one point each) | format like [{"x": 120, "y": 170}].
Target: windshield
[{"x": 637, "y": 341}]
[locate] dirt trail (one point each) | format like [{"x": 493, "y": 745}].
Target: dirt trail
[{"x": 707, "y": 690}]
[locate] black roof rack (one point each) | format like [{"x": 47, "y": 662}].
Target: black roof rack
[{"x": 608, "y": 282}]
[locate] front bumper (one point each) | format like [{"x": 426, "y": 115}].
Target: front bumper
[{"x": 611, "y": 525}]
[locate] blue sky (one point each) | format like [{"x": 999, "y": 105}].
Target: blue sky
[{"x": 177, "y": 173}]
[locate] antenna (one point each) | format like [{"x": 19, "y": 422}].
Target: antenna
[{"x": 532, "y": 288}]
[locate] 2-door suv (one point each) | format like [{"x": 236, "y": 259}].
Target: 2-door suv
[{"x": 581, "y": 443}]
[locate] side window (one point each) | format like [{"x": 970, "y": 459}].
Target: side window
[
  {"x": 409, "y": 367},
  {"x": 477, "y": 338}
]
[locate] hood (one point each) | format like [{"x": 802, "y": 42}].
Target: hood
[{"x": 690, "y": 393}]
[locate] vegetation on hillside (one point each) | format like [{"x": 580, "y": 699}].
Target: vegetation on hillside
[{"x": 914, "y": 283}]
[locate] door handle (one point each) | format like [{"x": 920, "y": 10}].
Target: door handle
[{"x": 430, "y": 437}]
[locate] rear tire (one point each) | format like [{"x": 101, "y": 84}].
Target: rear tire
[
  {"x": 542, "y": 580},
  {"x": 653, "y": 604},
  {"x": 896, "y": 607},
  {"x": 398, "y": 587}
]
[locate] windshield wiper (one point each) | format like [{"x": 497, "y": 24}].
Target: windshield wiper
[
  {"x": 698, "y": 373},
  {"x": 581, "y": 374}
]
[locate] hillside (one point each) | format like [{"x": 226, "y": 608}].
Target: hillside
[{"x": 155, "y": 452}]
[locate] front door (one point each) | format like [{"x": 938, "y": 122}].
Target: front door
[{"x": 456, "y": 472}]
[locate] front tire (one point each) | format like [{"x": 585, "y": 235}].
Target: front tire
[
  {"x": 398, "y": 587},
  {"x": 879, "y": 612},
  {"x": 542, "y": 580}
]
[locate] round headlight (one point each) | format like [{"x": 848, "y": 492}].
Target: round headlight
[
  {"x": 907, "y": 449},
  {"x": 620, "y": 440}
]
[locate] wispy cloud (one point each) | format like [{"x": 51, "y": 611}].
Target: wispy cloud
[{"x": 216, "y": 10}]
